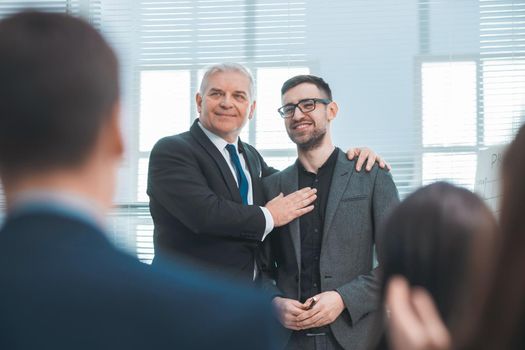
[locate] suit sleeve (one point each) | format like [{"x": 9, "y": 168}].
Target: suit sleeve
[
  {"x": 361, "y": 295},
  {"x": 266, "y": 258},
  {"x": 266, "y": 262},
  {"x": 176, "y": 181}
]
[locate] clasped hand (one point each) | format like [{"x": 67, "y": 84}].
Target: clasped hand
[{"x": 296, "y": 316}]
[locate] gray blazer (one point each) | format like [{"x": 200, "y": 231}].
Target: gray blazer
[{"x": 357, "y": 203}]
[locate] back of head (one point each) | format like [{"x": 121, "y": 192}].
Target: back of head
[
  {"x": 58, "y": 82},
  {"x": 503, "y": 318},
  {"x": 439, "y": 238}
]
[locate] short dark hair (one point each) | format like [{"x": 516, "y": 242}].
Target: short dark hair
[
  {"x": 58, "y": 84},
  {"x": 441, "y": 238},
  {"x": 310, "y": 79}
]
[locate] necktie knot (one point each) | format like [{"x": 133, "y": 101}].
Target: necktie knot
[
  {"x": 241, "y": 177},
  {"x": 231, "y": 149}
]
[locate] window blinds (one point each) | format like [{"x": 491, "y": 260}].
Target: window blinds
[
  {"x": 193, "y": 34},
  {"x": 502, "y": 60}
]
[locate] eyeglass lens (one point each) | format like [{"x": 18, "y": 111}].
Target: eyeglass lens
[{"x": 304, "y": 106}]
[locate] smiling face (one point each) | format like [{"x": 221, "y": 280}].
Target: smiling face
[
  {"x": 226, "y": 105},
  {"x": 308, "y": 130}
]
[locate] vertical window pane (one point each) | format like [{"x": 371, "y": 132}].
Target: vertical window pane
[
  {"x": 164, "y": 105},
  {"x": 503, "y": 99},
  {"x": 449, "y": 103},
  {"x": 458, "y": 168},
  {"x": 271, "y": 133}
]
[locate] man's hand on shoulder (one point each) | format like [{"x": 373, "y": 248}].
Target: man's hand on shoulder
[
  {"x": 368, "y": 155},
  {"x": 287, "y": 208}
]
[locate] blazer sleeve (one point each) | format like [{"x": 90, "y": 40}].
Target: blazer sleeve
[
  {"x": 176, "y": 181},
  {"x": 266, "y": 257},
  {"x": 266, "y": 262},
  {"x": 361, "y": 295}
]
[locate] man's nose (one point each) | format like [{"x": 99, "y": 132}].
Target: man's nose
[
  {"x": 226, "y": 101},
  {"x": 298, "y": 114}
]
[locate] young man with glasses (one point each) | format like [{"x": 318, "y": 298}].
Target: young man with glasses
[{"x": 320, "y": 267}]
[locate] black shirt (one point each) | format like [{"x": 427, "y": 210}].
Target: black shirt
[{"x": 311, "y": 224}]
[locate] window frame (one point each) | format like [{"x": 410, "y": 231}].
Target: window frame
[{"x": 479, "y": 123}]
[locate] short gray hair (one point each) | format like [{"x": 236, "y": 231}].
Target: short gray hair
[{"x": 228, "y": 67}]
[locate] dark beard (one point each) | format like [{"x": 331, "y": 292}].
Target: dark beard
[{"x": 313, "y": 142}]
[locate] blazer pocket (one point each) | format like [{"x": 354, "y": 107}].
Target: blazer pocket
[{"x": 355, "y": 198}]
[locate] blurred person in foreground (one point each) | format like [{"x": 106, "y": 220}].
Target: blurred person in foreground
[
  {"x": 64, "y": 286},
  {"x": 500, "y": 322},
  {"x": 441, "y": 238}
]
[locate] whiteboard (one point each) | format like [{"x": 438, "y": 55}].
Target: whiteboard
[{"x": 488, "y": 176}]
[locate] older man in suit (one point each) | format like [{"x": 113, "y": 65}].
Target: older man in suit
[
  {"x": 63, "y": 285},
  {"x": 320, "y": 267},
  {"x": 206, "y": 199},
  {"x": 204, "y": 185}
]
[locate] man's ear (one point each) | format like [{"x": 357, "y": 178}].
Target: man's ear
[
  {"x": 252, "y": 110},
  {"x": 198, "y": 100},
  {"x": 332, "y": 110}
]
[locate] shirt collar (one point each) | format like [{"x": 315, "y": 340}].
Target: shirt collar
[
  {"x": 328, "y": 163},
  {"x": 62, "y": 202},
  {"x": 218, "y": 141}
]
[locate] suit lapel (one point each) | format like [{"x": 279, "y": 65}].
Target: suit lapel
[
  {"x": 250, "y": 160},
  {"x": 290, "y": 184},
  {"x": 342, "y": 172},
  {"x": 218, "y": 158}
]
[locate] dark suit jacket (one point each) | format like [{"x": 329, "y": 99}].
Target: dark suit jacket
[
  {"x": 196, "y": 205},
  {"x": 64, "y": 286},
  {"x": 357, "y": 203}
]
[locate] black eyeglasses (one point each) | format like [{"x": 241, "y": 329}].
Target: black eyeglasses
[{"x": 306, "y": 105}]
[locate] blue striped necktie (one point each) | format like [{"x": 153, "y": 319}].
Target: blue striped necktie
[{"x": 241, "y": 177}]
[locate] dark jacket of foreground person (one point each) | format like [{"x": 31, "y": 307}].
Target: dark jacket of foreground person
[{"x": 64, "y": 286}]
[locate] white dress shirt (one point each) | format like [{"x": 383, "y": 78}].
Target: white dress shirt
[{"x": 220, "y": 143}]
